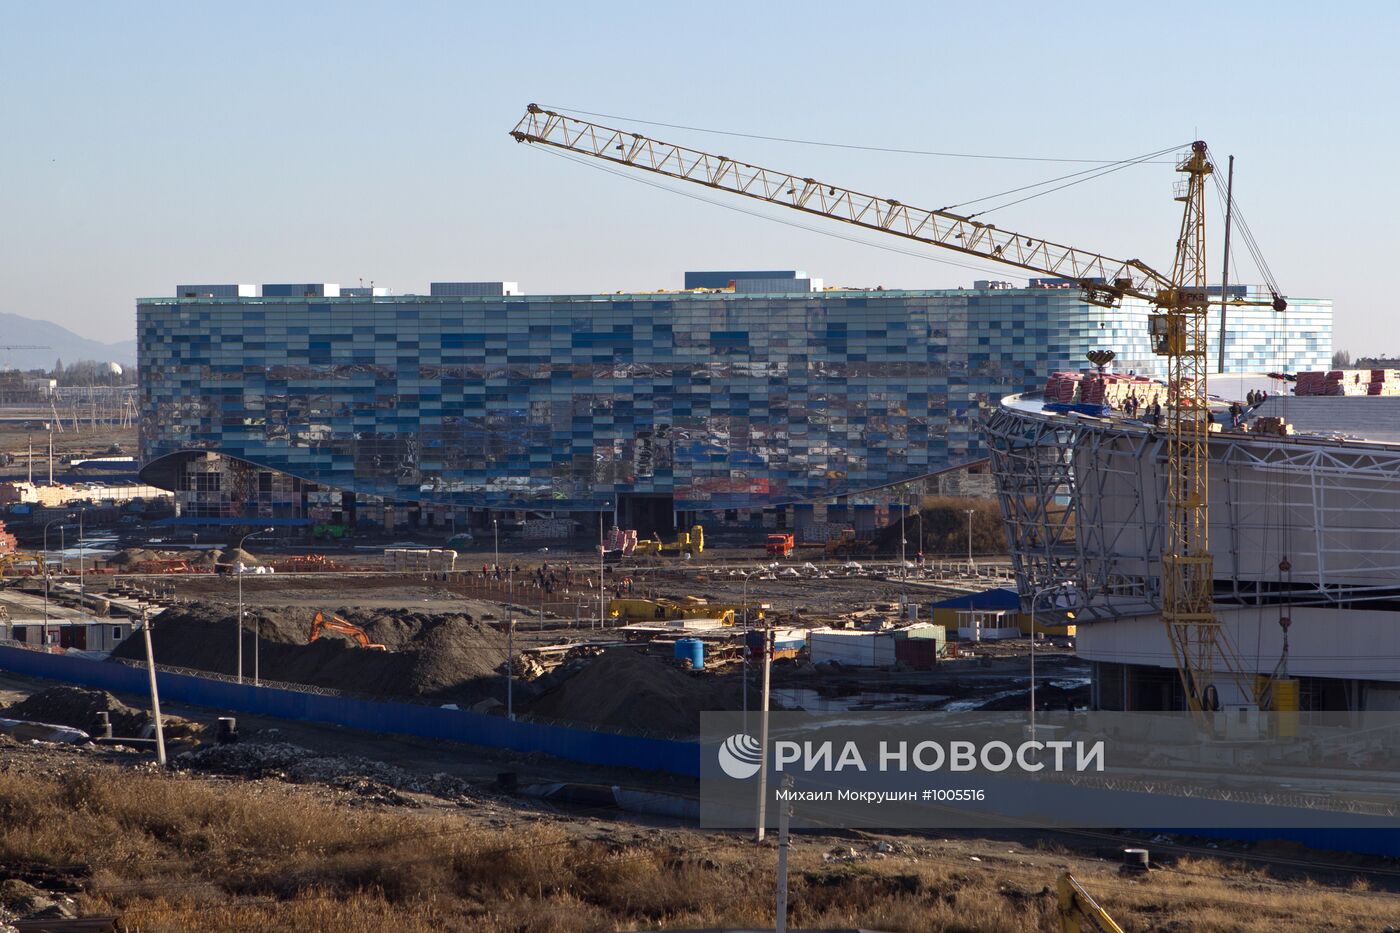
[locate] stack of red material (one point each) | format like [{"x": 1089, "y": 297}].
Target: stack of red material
[
  {"x": 1384, "y": 382},
  {"x": 8, "y": 543},
  {"x": 1343, "y": 382},
  {"x": 1060, "y": 387},
  {"x": 1114, "y": 390}
]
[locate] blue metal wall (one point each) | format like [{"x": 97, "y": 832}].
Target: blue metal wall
[{"x": 596, "y": 748}]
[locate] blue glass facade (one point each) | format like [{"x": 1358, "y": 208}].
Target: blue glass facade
[{"x": 719, "y": 400}]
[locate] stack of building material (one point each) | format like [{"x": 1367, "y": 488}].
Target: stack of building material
[
  {"x": 1060, "y": 387},
  {"x": 8, "y": 543},
  {"x": 1384, "y": 382},
  {"x": 419, "y": 560},
  {"x": 1114, "y": 390},
  {"x": 623, "y": 540},
  {"x": 1338, "y": 382},
  {"x": 1277, "y": 426}
]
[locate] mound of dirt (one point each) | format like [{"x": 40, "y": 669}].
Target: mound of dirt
[
  {"x": 132, "y": 555},
  {"x": 236, "y": 555},
  {"x": 622, "y": 689},
  {"x": 447, "y": 657},
  {"x": 78, "y": 707}
]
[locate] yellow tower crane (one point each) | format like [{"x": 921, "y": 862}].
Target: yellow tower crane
[{"x": 1178, "y": 328}]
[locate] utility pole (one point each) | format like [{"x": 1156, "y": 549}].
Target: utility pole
[
  {"x": 50, "y": 453},
  {"x": 763, "y": 733},
  {"x": 602, "y": 612},
  {"x": 1225, "y": 266},
  {"x": 155, "y": 693},
  {"x": 784, "y": 815},
  {"x": 970, "y": 513}
]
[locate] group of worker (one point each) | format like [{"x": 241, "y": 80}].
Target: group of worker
[{"x": 1152, "y": 411}]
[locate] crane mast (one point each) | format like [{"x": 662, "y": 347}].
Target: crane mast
[{"x": 1178, "y": 326}]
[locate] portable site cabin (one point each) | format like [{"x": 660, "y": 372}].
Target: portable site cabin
[
  {"x": 998, "y": 599},
  {"x": 81, "y": 634}
]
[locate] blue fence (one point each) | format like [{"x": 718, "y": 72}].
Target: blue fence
[{"x": 431, "y": 722}]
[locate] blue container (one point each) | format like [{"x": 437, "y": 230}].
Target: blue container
[{"x": 692, "y": 650}]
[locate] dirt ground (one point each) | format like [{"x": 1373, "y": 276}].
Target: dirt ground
[{"x": 310, "y": 827}]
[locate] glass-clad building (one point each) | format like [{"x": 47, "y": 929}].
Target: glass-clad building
[{"x": 693, "y": 401}]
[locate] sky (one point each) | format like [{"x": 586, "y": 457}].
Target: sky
[{"x": 148, "y": 144}]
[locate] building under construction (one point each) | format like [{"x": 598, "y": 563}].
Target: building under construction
[{"x": 1304, "y": 528}]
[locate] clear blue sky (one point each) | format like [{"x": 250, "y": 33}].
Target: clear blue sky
[{"x": 145, "y": 144}]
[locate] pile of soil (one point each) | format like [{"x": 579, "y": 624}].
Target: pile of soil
[
  {"x": 236, "y": 555},
  {"x": 445, "y": 657},
  {"x": 78, "y": 707},
  {"x": 621, "y": 689},
  {"x": 133, "y": 555}
]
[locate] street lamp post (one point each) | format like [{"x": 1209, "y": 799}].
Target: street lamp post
[
  {"x": 970, "y": 513},
  {"x": 238, "y": 571},
  {"x": 46, "y": 570},
  {"x": 82, "y": 591},
  {"x": 496, "y": 534}
]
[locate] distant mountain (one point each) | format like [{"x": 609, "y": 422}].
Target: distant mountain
[{"x": 65, "y": 344}]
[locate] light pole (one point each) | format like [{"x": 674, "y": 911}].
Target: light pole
[
  {"x": 238, "y": 571},
  {"x": 496, "y": 533},
  {"x": 82, "y": 592},
  {"x": 510, "y": 645},
  {"x": 970, "y": 513},
  {"x": 902, "y": 540},
  {"x": 1035, "y": 600},
  {"x": 46, "y": 570},
  {"x": 602, "y": 611}
]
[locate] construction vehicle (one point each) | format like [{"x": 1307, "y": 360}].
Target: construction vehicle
[
  {"x": 1079, "y": 912},
  {"x": 628, "y": 610},
  {"x": 780, "y": 545},
  {"x": 846, "y": 544},
  {"x": 687, "y": 542},
  {"x": 1179, "y": 299},
  {"x": 320, "y": 624}
]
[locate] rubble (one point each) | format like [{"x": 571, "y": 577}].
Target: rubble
[
  {"x": 78, "y": 707},
  {"x": 372, "y": 781}
]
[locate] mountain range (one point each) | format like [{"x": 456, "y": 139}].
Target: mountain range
[{"x": 61, "y": 342}]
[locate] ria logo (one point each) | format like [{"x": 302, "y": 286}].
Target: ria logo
[{"x": 740, "y": 756}]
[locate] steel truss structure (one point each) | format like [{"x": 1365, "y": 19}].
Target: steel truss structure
[{"x": 1300, "y": 520}]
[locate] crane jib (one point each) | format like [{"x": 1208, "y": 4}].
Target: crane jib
[{"x": 1105, "y": 280}]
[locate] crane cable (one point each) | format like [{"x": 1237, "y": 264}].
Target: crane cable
[
  {"x": 1098, "y": 173},
  {"x": 984, "y": 270},
  {"x": 826, "y": 143}
]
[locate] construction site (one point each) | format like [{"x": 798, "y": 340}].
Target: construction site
[{"x": 482, "y": 708}]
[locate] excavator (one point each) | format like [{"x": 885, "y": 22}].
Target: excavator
[
  {"x": 1179, "y": 302},
  {"x": 319, "y": 624}
]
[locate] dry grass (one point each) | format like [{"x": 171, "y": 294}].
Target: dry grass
[{"x": 182, "y": 853}]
